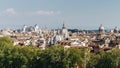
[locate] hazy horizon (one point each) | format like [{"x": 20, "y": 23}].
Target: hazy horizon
[{"x": 80, "y": 14}]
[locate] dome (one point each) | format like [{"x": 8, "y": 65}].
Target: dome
[
  {"x": 36, "y": 27},
  {"x": 111, "y": 31},
  {"x": 116, "y": 29},
  {"x": 64, "y": 31},
  {"x": 101, "y": 27},
  {"x": 24, "y": 28},
  {"x": 57, "y": 38},
  {"x": 28, "y": 29}
]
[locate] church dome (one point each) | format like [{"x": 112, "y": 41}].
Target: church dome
[
  {"x": 116, "y": 29},
  {"x": 28, "y": 29},
  {"x": 64, "y": 31},
  {"x": 36, "y": 27},
  {"x": 24, "y": 28},
  {"x": 101, "y": 27},
  {"x": 57, "y": 38}
]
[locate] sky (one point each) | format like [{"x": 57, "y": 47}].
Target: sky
[{"x": 77, "y": 14}]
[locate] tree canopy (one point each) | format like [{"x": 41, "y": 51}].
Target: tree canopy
[{"x": 54, "y": 57}]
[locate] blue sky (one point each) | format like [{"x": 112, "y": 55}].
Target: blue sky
[{"x": 81, "y": 14}]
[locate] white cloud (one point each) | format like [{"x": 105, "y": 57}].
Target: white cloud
[
  {"x": 12, "y": 12},
  {"x": 42, "y": 12},
  {"x": 9, "y": 12}
]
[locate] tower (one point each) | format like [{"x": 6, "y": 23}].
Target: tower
[
  {"x": 101, "y": 33},
  {"x": 36, "y": 27},
  {"x": 64, "y": 31},
  {"x": 101, "y": 29},
  {"x": 24, "y": 28},
  {"x": 63, "y": 27},
  {"x": 116, "y": 30}
]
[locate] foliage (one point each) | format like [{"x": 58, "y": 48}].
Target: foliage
[
  {"x": 32, "y": 57},
  {"x": 54, "y": 57},
  {"x": 105, "y": 59}
]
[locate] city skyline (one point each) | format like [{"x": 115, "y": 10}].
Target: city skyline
[{"x": 87, "y": 14}]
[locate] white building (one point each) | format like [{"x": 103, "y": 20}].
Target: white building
[
  {"x": 64, "y": 31},
  {"x": 36, "y": 28},
  {"x": 116, "y": 30},
  {"x": 24, "y": 28},
  {"x": 101, "y": 29},
  {"x": 5, "y": 33}
]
